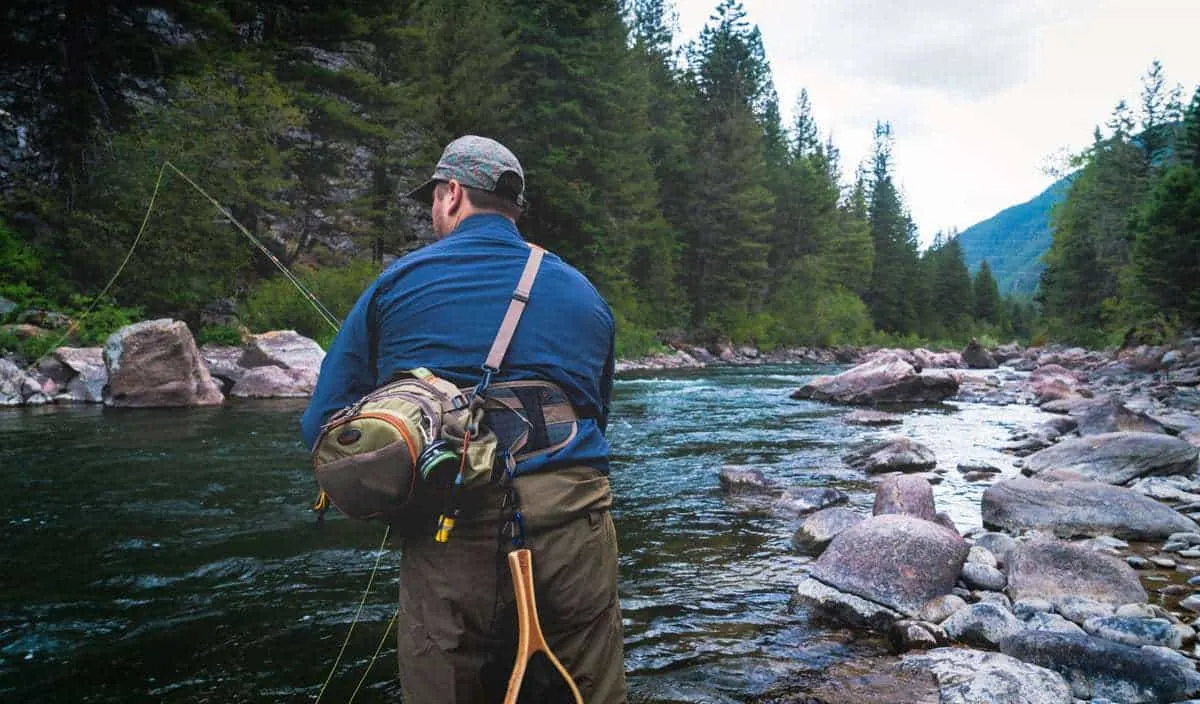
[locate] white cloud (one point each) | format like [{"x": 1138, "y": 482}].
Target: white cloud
[{"x": 979, "y": 94}]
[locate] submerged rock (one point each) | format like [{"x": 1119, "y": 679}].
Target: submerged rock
[
  {"x": 899, "y": 561},
  {"x": 883, "y": 379},
  {"x": 873, "y": 418},
  {"x": 743, "y": 480},
  {"x": 798, "y": 501},
  {"x": 844, "y": 607},
  {"x": 822, "y": 527},
  {"x": 1072, "y": 508}
]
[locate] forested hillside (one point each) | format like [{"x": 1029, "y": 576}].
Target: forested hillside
[
  {"x": 1126, "y": 247},
  {"x": 666, "y": 174},
  {"x": 1014, "y": 240}
]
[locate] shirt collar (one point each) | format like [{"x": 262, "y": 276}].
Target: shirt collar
[{"x": 485, "y": 223}]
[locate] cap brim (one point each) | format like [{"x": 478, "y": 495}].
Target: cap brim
[{"x": 423, "y": 193}]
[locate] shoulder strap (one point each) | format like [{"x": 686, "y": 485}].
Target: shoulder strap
[{"x": 516, "y": 307}]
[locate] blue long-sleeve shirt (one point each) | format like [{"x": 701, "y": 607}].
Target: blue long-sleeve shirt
[{"x": 440, "y": 307}]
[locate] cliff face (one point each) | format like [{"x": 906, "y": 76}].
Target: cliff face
[{"x": 81, "y": 76}]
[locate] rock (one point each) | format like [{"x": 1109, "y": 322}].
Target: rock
[
  {"x": 1141, "y": 611},
  {"x": 821, "y": 527},
  {"x": 981, "y": 555},
  {"x": 982, "y": 625},
  {"x": 899, "y": 561},
  {"x": 1052, "y": 623},
  {"x": 224, "y": 363},
  {"x": 1117, "y": 458},
  {"x": 976, "y": 357},
  {"x": 998, "y": 544},
  {"x": 943, "y": 519},
  {"x": 286, "y": 349},
  {"x": 89, "y": 375},
  {"x": 1053, "y": 569},
  {"x": 990, "y": 597},
  {"x": 1069, "y": 509},
  {"x": 1165, "y": 563},
  {"x": 155, "y": 364},
  {"x": 893, "y": 455},
  {"x": 977, "y": 576},
  {"x": 1192, "y": 603},
  {"x": 1137, "y": 562},
  {"x": 873, "y": 418},
  {"x": 884, "y": 379},
  {"x": 907, "y": 635},
  {"x": 798, "y": 501},
  {"x": 1095, "y": 667},
  {"x": 1052, "y": 382},
  {"x": 845, "y": 608},
  {"x": 1109, "y": 415},
  {"x": 1135, "y": 631},
  {"x": 273, "y": 382},
  {"x": 977, "y": 468},
  {"x": 45, "y": 319},
  {"x": 908, "y": 495},
  {"x": 1026, "y": 608},
  {"x": 15, "y": 385},
  {"x": 978, "y": 677},
  {"x": 740, "y": 480},
  {"x": 940, "y": 608},
  {"x": 7, "y": 306}
]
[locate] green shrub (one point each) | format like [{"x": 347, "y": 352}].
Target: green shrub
[
  {"x": 31, "y": 348},
  {"x": 105, "y": 319},
  {"x": 219, "y": 334},
  {"x": 635, "y": 340},
  {"x": 276, "y": 304}
]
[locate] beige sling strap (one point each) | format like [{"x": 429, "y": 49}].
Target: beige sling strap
[{"x": 516, "y": 307}]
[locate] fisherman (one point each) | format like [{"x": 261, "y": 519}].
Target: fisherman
[{"x": 439, "y": 308}]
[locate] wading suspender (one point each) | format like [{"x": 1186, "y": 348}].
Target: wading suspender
[{"x": 491, "y": 365}]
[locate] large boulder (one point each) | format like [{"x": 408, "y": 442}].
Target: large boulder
[
  {"x": 978, "y": 677},
  {"x": 883, "y": 379},
  {"x": 1117, "y": 458},
  {"x": 1098, "y": 668},
  {"x": 156, "y": 364},
  {"x": 1051, "y": 382},
  {"x": 904, "y": 494},
  {"x": 1072, "y": 509},
  {"x": 891, "y": 455},
  {"x": 1056, "y": 570},
  {"x": 88, "y": 374},
  {"x": 899, "y": 561},
  {"x": 937, "y": 360}
]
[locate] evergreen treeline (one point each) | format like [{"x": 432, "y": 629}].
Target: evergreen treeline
[
  {"x": 667, "y": 176},
  {"x": 1126, "y": 248}
]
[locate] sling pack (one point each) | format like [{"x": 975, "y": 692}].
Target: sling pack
[{"x": 371, "y": 458}]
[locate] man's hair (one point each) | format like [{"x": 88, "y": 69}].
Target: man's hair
[{"x": 492, "y": 200}]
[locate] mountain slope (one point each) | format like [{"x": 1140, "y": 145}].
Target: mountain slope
[{"x": 1014, "y": 240}]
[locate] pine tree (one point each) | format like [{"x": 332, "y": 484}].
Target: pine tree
[
  {"x": 892, "y": 298},
  {"x": 986, "y": 296}
]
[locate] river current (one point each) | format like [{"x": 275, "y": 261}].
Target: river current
[{"x": 170, "y": 556}]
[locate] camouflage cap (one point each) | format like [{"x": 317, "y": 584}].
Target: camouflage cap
[{"x": 476, "y": 162}]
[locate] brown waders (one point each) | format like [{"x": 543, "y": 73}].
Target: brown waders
[{"x": 457, "y": 627}]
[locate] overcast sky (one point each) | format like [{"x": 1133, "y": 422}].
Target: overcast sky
[{"x": 980, "y": 94}]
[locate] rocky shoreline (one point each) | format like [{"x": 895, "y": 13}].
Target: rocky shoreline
[
  {"x": 1084, "y": 582},
  {"x": 1083, "y": 585}
]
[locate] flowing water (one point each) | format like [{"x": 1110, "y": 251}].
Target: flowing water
[{"x": 169, "y": 556}]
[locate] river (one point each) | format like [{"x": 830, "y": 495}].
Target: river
[{"x": 169, "y": 556}]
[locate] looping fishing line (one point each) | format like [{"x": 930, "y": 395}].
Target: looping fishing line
[{"x": 326, "y": 315}]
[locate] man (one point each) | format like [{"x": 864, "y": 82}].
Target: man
[{"x": 440, "y": 308}]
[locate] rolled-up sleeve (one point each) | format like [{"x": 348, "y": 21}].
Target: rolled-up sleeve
[{"x": 348, "y": 371}]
